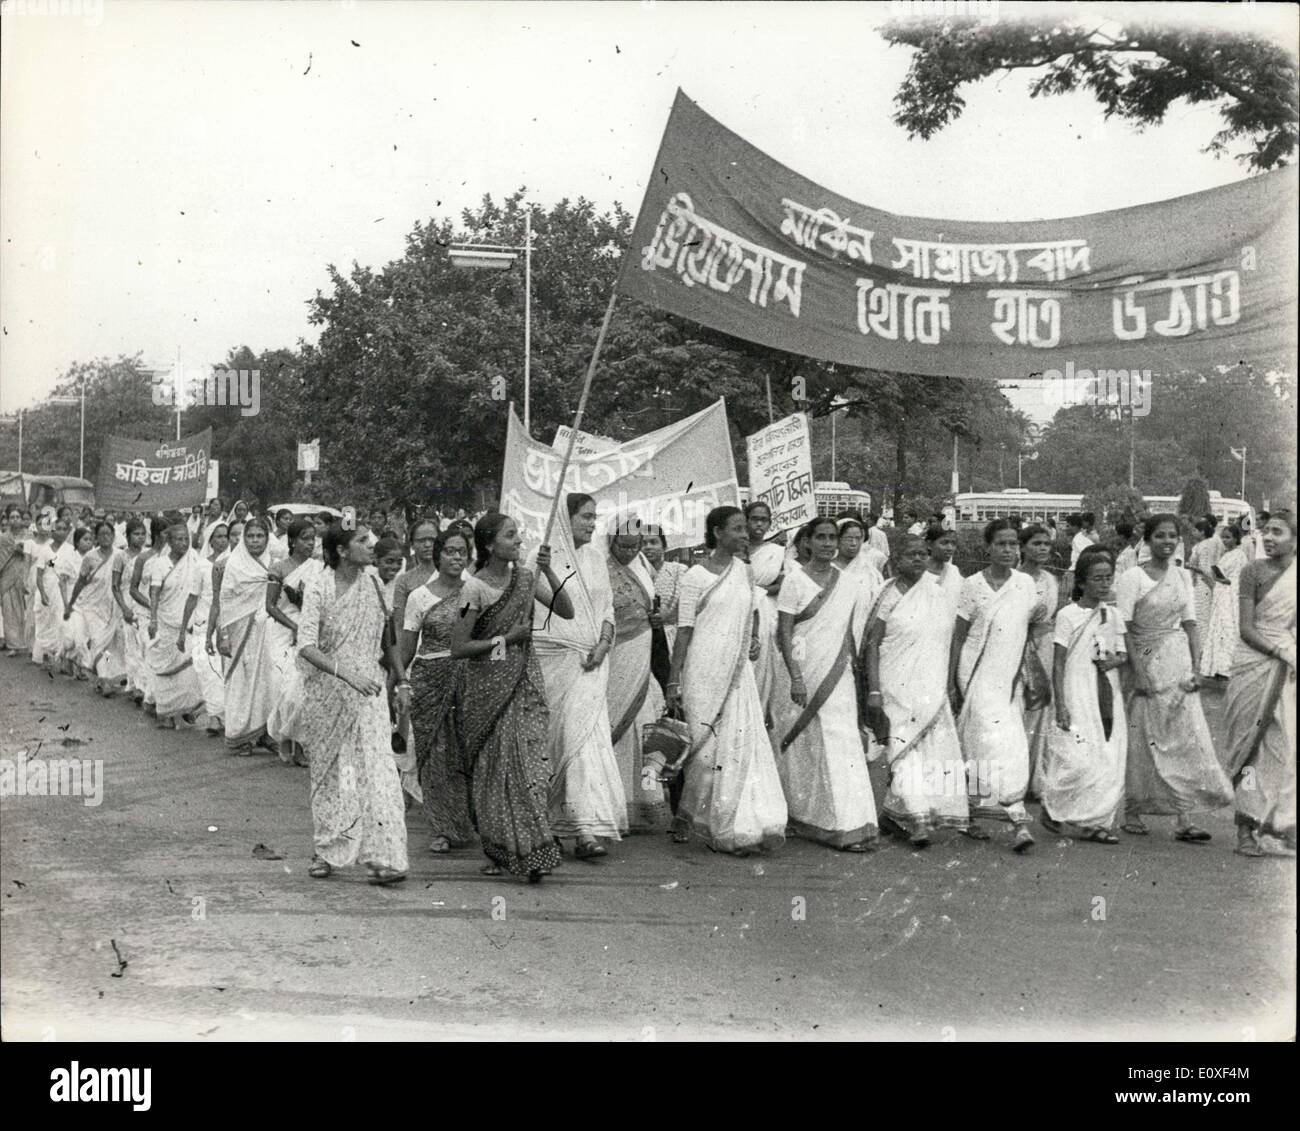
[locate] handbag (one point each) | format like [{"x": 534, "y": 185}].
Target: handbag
[{"x": 666, "y": 742}]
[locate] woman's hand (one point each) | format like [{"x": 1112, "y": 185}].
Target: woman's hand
[
  {"x": 954, "y": 698},
  {"x": 878, "y": 721},
  {"x": 520, "y": 634},
  {"x": 543, "y": 558},
  {"x": 180, "y": 643},
  {"x": 128, "y": 617},
  {"x": 67, "y": 612},
  {"x": 293, "y": 636},
  {"x": 798, "y": 692},
  {"x": 596, "y": 657},
  {"x": 1190, "y": 684},
  {"x": 1062, "y": 716},
  {"x": 363, "y": 684},
  {"x": 656, "y": 620},
  {"x": 209, "y": 647},
  {"x": 153, "y": 627},
  {"x": 672, "y": 697},
  {"x": 402, "y": 697},
  {"x": 755, "y": 648}
]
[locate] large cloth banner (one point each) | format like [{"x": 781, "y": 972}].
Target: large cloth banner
[
  {"x": 144, "y": 475},
  {"x": 587, "y": 443},
  {"x": 780, "y": 472},
  {"x": 671, "y": 478},
  {"x": 730, "y": 238}
]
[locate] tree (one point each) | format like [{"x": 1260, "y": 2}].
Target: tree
[
  {"x": 1136, "y": 68},
  {"x": 1195, "y": 499},
  {"x": 1117, "y": 503}
]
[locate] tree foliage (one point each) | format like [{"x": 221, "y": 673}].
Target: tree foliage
[{"x": 1137, "y": 69}]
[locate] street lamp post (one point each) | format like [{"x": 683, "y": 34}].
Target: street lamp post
[
  {"x": 81, "y": 473},
  {"x": 501, "y": 257}
]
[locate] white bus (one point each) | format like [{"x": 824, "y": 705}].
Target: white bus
[
  {"x": 978, "y": 507},
  {"x": 832, "y": 498}
]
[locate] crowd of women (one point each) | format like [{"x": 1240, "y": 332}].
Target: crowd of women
[{"x": 818, "y": 689}]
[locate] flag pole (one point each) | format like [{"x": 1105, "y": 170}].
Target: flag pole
[{"x": 577, "y": 420}]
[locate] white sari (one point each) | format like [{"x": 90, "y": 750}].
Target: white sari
[
  {"x": 101, "y": 619},
  {"x": 818, "y": 748},
  {"x": 765, "y": 565},
  {"x": 209, "y": 669},
  {"x": 634, "y": 697},
  {"x": 45, "y": 618},
  {"x": 991, "y": 727},
  {"x": 1081, "y": 779},
  {"x": 732, "y": 795},
  {"x": 586, "y": 795},
  {"x": 132, "y": 651},
  {"x": 281, "y": 665},
  {"x": 927, "y": 784},
  {"x": 242, "y": 624},
  {"x": 175, "y": 683}
]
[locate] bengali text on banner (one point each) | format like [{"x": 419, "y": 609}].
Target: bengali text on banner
[
  {"x": 152, "y": 475},
  {"x": 732, "y": 239},
  {"x": 780, "y": 472}
]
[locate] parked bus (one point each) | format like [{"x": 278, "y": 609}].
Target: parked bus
[
  {"x": 979, "y": 507},
  {"x": 34, "y": 491}
]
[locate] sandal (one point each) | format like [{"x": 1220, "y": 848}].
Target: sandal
[
  {"x": 1191, "y": 835},
  {"x": 440, "y": 846},
  {"x": 920, "y": 839},
  {"x": 860, "y": 846},
  {"x": 381, "y": 877},
  {"x": 589, "y": 850},
  {"x": 1100, "y": 836},
  {"x": 1023, "y": 840},
  {"x": 1247, "y": 844},
  {"x": 1053, "y": 827},
  {"x": 319, "y": 869},
  {"x": 975, "y": 832},
  {"x": 1134, "y": 828}
]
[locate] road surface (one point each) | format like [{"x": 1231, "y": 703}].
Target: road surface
[{"x": 964, "y": 941}]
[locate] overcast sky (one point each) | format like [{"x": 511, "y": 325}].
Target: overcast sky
[{"x": 176, "y": 175}]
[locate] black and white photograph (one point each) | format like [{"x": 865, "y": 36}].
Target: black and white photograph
[{"x": 649, "y": 521}]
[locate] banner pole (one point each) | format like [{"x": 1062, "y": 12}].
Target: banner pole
[
  {"x": 577, "y": 420},
  {"x": 771, "y": 419}
]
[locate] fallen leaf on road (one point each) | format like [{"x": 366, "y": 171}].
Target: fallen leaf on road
[
  {"x": 669, "y": 887},
  {"x": 261, "y": 852},
  {"x": 121, "y": 962}
]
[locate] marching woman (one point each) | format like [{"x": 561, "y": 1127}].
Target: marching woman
[
  {"x": 135, "y": 532},
  {"x": 14, "y": 607},
  {"x": 172, "y": 577},
  {"x": 284, "y": 592},
  {"x": 766, "y": 568},
  {"x": 1171, "y": 764},
  {"x": 990, "y": 642},
  {"x": 1201, "y": 561},
  {"x": 76, "y": 653},
  {"x": 48, "y": 639},
  {"x": 668, "y": 579},
  {"x": 1221, "y": 634},
  {"x": 429, "y": 614},
  {"x": 1261, "y": 734},
  {"x": 732, "y": 794},
  {"x": 504, "y": 718},
  {"x": 356, "y": 799},
  {"x": 634, "y": 696},
  {"x": 815, "y": 736},
  {"x": 905, "y": 672},
  {"x": 1035, "y": 553},
  {"x": 1081, "y": 778},
  {"x": 94, "y": 597},
  {"x": 240, "y": 628},
  {"x": 860, "y": 564},
  {"x": 942, "y": 547},
  {"x": 139, "y": 593},
  {"x": 208, "y": 664},
  {"x": 424, "y": 536},
  {"x": 587, "y": 798}
]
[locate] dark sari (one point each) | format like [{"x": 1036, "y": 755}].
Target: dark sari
[
  {"x": 435, "y": 703},
  {"x": 504, "y": 724}
]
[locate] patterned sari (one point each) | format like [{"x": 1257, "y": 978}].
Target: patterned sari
[
  {"x": 1040, "y": 723},
  {"x": 504, "y": 725},
  {"x": 356, "y": 799},
  {"x": 13, "y": 598},
  {"x": 1261, "y": 733}
]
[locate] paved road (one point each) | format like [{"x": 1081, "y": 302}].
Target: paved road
[{"x": 962, "y": 941}]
